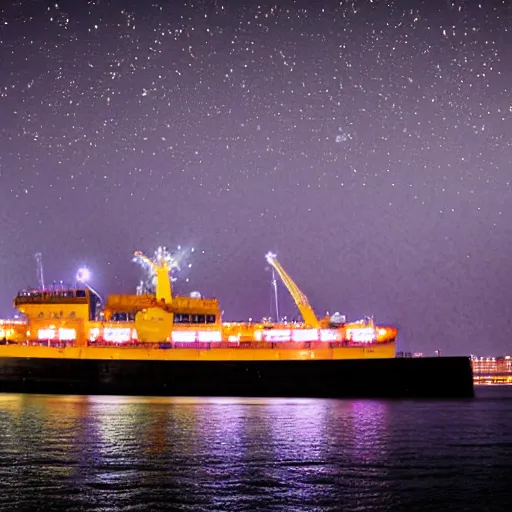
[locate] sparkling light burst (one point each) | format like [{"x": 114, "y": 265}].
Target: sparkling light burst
[
  {"x": 176, "y": 260},
  {"x": 83, "y": 275}
]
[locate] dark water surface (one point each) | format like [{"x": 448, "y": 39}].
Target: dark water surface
[{"x": 110, "y": 453}]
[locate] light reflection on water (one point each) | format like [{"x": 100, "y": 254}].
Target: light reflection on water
[
  {"x": 369, "y": 423},
  {"x": 110, "y": 453}
]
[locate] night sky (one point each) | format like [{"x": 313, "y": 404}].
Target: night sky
[{"x": 367, "y": 143}]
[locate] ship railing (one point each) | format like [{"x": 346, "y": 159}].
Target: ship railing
[
  {"x": 52, "y": 290},
  {"x": 225, "y": 344},
  {"x": 37, "y": 296}
]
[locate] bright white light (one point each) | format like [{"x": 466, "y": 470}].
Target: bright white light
[
  {"x": 46, "y": 334},
  {"x": 183, "y": 336},
  {"x": 361, "y": 335},
  {"x": 330, "y": 335},
  {"x": 270, "y": 256},
  {"x": 94, "y": 334},
  {"x": 83, "y": 275},
  {"x": 67, "y": 334},
  {"x": 117, "y": 334},
  {"x": 304, "y": 335},
  {"x": 209, "y": 336},
  {"x": 276, "y": 335},
  {"x": 61, "y": 334}
]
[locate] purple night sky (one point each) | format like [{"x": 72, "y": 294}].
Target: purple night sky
[{"x": 366, "y": 143}]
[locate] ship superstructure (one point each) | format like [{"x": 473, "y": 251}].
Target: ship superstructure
[{"x": 71, "y": 322}]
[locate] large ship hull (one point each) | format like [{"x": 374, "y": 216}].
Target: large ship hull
[
  {"x": 206, "y": 352},
  {"x": 335, "y": 378}
]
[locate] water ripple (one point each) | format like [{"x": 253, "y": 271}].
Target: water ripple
[{"x": 132, "y": 454}]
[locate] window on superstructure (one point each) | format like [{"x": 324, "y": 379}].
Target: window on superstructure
[
  {"x": 122, "y": 317},
  {"x": 210, "y": 319},
  {"x": 181, "y": 318}
]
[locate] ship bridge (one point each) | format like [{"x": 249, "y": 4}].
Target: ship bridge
[
  {"x": 54, "y": 295},
  {"x": 62, "y": 309},
  {"x": 57, "y": 302}
]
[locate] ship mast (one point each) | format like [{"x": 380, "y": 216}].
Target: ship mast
[
  {"x": 274, "y": 289},
  {"x": 39, "y": 262}
]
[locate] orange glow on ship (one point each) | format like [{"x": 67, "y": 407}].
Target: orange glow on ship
[{"x": 68, "y": 323}]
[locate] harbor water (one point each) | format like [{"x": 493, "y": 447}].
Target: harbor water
[{"x": 225, "y": 454}]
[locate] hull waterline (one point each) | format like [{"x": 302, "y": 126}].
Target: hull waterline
[{"x": 350, "y": 378}]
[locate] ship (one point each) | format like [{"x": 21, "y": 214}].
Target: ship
[{"x": 69, "y": 341}]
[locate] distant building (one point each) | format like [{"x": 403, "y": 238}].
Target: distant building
[{"x": 492, "y": 370}]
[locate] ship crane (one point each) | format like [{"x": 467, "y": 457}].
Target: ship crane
[
  {"x": 155, "y": 323},
  {"x": 301, "y": 301},
  {"x": 163, "y": 281}
]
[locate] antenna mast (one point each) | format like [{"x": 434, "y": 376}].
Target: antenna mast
[
  {"x": 39, "y": 262},
  {"x": 274, "y": 286}
]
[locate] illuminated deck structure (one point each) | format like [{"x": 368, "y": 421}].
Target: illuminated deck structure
[{"x": 66, "y": 322}]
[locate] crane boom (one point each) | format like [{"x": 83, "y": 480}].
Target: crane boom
[{"x": 301, "y": 301}]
